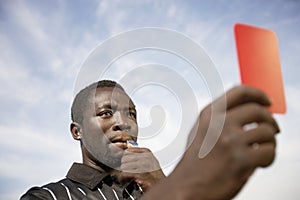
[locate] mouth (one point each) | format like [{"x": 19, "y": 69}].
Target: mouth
[{"x": 121, "y": 142}]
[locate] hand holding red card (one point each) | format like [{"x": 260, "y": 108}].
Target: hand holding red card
[{"x": 258, "y": 56}]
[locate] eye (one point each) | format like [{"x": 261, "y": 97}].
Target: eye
[
  {"x": 132, "y": 114},
  {"x": 105, "y": 113}
]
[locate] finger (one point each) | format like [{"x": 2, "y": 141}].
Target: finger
[
  {"x": 134, "y": 167},
  {"x": 126, "y": 176},
  {"x": 250, "y": 113},
  {"x": 245, "y": 94},
  {"x": 136, "y": 150},
  {"x": 261, "y": 134},
  {"x": 129, "y": 167},
  {"x": 130, "y": 158},
  {"x": 137, "y": 157},
  {"x": 263, "y": 155}
]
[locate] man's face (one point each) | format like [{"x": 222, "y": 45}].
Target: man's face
[{"x": 108, "y": 125}]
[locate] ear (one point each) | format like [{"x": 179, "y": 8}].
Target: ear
[{"x": 76, "y": 130}]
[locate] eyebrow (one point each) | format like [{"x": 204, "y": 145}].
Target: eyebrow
[
  {"x": 110, "y": 105},
  {"x": 105, "y": 106}
]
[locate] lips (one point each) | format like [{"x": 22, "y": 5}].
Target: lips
[
  {"x": 123, "y": 137},
  {"x": 120, "y": 141},
  {"x": 121, "y": 145}
]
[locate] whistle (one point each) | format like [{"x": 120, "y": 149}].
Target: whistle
[{"x": 131, "y": 143}]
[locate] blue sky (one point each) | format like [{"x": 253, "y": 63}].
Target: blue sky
[{"x": 44, "y": 43}]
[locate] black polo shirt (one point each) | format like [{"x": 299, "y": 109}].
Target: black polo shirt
[{"x": 84, "y": 182}]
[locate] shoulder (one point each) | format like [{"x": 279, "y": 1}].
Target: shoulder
[
  {"x": 48, "y": 191},
  {"x": 37, "y": 193}
]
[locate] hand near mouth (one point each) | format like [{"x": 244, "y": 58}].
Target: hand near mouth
[{"x": 140, "y": 165}]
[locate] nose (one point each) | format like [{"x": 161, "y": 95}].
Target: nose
[{"x": 121, "y": 123}]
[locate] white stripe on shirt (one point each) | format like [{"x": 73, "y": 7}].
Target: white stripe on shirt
[
  {"x": 129, "y": 194},
  {"x": 102, "y": 194},
  {"x": 68, "y": 191},
  {"x": 115, "y": 194},
  {"x": 81, "y": 190},
  {"x": 50, "y": 191}
]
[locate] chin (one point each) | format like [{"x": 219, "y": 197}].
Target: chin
[
  {"x": 113, "y": 163},
  {"x": 113, "y": 159}
]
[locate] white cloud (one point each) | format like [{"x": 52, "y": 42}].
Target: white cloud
[
  {"x": 172, "y": 11},
  {"x": 102, "y": 8},
  {"x": 113, "y": 15},
  {"x": 36, "y": 143},
  {"x": 14, "y": 79},
  {"x": 30, "y": 152}
]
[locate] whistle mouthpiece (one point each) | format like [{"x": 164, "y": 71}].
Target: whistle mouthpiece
[{"x": 131, "y": 143}]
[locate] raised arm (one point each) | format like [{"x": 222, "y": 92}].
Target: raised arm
[{"x": 238, "y": 152}]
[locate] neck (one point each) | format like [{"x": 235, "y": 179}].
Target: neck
[{"x": 94, "y": 163}]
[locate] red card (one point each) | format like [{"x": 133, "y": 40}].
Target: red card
[{"x": 258, "y": 56}]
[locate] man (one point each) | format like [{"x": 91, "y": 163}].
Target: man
[
  {"x": 104, "y": 120},
  {"x": 219, "y": 175}
]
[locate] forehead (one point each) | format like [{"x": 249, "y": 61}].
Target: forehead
[{"x": 112, "y": 96}]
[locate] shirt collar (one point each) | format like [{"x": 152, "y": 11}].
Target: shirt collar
[
  {"x": 91, "y": 177},
  {"x": 86, "y": 175}
]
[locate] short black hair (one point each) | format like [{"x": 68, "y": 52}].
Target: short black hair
[{"x": 82, "y": 99}]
